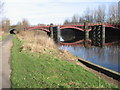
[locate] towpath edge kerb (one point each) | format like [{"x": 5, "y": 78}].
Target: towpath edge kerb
[{"x": 108, "y": 72}]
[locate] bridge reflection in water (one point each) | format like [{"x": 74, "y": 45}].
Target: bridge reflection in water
[{"x": 107, "y": 57}]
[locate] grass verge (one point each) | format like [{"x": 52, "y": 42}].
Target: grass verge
[
  {"x": 3, "y": 37},
  {"x": 35, "y": 70}
]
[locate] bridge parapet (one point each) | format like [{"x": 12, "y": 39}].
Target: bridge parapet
[{"x": 112, "y": 25}]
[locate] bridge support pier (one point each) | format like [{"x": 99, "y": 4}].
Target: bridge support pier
[
  {"x": 55, "y": 33},
  {"x": 103, "y": 36},
  {"x": 58, "y": 35},
  {"x": 98, "y": 35},
  {"x": 86, "y": 39},
  {"x": 51, "y": 31}
]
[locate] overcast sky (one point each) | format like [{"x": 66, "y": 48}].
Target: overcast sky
[{"x": 48, "y": 11}]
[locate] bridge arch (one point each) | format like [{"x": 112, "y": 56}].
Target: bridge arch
[
  {"x": 71, "y": 27},
  {"x": 12, "y": 31},
  {"x": 38, "y": 28},
  {"x": 113, "y": 26}
]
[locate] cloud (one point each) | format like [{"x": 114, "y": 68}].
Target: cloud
[
  {"x": 45, "y": 11},
  {"x": 88, "y": 1},
  {"x": 25, "y": 1}
]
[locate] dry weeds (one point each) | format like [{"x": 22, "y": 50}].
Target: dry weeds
[{"x": 39, "y": 41}]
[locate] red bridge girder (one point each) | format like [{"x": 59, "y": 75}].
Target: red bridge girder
[
  {"x": 72, "y": 27},
  {"x": 77, "y": 27},
  {"x": 37, "y": 27},
  {"x": 113, "y": 26},
  {"x": 74, "y": 43}
]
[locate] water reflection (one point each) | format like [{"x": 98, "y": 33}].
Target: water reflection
[{"x": 107, "y": 57}]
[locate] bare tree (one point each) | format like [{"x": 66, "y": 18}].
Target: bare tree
[
  {"x": 25, "y": 23},
  {"x": 88, "y": 16},
  {"x": 81, "y": 20},
  {"x": 100, "y": 14},
  {"x": 67, "y": 21},
  {"x": 6, "y": 25},
  {"x": 75, "y": 19},
  {"x": 1, "y": 10},
  {"x": 19, "y": 26},
  {"x": 113, "y": 13}
]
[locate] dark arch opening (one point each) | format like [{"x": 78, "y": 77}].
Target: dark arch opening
[
  {"x": 71, "y": 35},
  {"x": 12, "y": 31},
  {"x": 111, "y": 35}
]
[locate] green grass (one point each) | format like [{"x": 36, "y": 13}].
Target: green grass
[
  {"x": 3, "y": 37},
  {"x": 34, "y": 70}
]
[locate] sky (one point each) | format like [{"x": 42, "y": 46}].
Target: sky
[{"x": 48, "y": 11}]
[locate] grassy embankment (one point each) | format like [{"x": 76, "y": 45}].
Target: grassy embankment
[{"x": 33, "y": 68}]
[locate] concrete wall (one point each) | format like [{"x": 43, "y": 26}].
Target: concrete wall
[{"x": 108, "y": 72}]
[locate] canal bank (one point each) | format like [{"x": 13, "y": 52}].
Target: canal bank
[
  {"x": 107, "y": 57},
  {"x": 109, "y": 75},
  {"x": 102, "y": 72},
  {"x": 45, "y": 70},
  {"x": 108, "y": 72}
]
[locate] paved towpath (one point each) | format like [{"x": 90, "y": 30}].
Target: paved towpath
[{"x": 5, "y": 69}]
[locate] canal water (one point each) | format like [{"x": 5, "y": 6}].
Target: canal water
[{"x": 107, "y": 57}]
